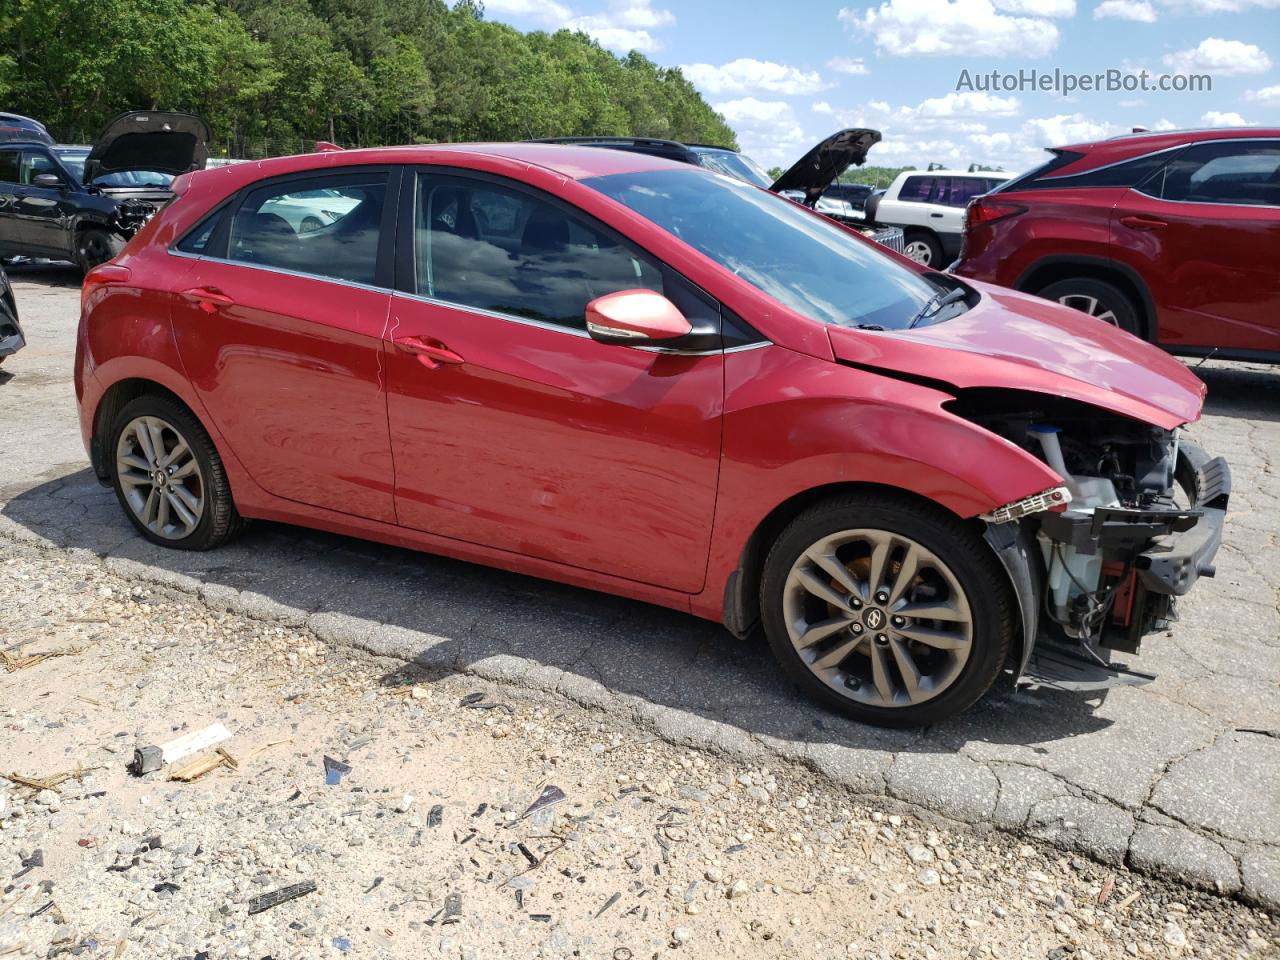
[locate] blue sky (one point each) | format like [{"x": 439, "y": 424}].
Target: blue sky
[{"x": 787, "y": 74}]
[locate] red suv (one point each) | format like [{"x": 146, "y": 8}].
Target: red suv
[
  {"x": 625, "y": 373},
  {"x": 1171, "y": 236}
]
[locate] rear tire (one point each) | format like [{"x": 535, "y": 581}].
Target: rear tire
[
  {"x": 924, "y": 248},
  {"x": 1097, "y": 298},
  {"x": 190, "y": 506},
  {"x": 868, "y": 649},
  {"x": 95, "y": 246}
]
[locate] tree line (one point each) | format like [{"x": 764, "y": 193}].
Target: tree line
[{"x": 273, "y": 76}]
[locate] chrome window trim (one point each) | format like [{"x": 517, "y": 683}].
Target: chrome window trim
[
  {"x": 1156, "y": 153},
  {"x": 265, "y": 268}
]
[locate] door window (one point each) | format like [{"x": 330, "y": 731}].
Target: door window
[
  {"x": 9, "y": 166},
  {"x": 480, "y": 244},
  {"x": 1236, "y": 172},
  {"x": 916, "y": 189},
  {"x": 327, "y": 227},
  {"x": 958, "y": 191},
  {"x": 34, "y": 164}
]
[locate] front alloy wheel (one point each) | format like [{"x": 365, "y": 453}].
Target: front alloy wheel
[
  {"x": 887, "y": 608},
  {"x": 160, "y": 478},
  {"x": 878, "y": 617}
]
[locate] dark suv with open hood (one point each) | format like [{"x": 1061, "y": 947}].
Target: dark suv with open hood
[{"x": 84, "y": 203}]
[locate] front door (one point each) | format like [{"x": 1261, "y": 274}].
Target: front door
[
  {"x": 514, "y": 429},
  {"x": 280, "y": 326},
  {"x": 1204, "y": 233},
  {"x": 45, "y": 214}
]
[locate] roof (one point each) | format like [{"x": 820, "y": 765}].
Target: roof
[
  {"x": 1130, "y": 145},
  {"x": 993, "y": 174},
  {"x": 574, "y": 162}
]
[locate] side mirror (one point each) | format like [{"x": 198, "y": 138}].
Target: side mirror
[
  {"x": 635, "y": 318},
  {"x": 50, "y": 180}
]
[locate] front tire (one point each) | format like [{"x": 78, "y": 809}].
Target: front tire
[
  {"x": 168, "y": 476},
  {"x": 96, "y": 246},
  {"x": 886, "y": 610},
  {"x": 1099, "y": 299}
]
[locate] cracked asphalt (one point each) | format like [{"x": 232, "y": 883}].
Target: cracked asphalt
[{"x": 1176, "y": 779}]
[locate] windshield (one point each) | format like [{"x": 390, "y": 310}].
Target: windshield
[
  {"x": 734, "y": 165},
  {"x": 803, "y": 260},
  {"x": 74, "y": 160}
]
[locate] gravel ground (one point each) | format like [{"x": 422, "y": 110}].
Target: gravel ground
[{"x": 424, "y": 848}]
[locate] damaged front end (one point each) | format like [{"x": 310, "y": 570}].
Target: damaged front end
[
  {"x": 1099, "y": 562},
  {"x": 132, "y": 213}
]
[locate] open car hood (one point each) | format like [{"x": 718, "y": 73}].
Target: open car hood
[
  {"x": 818, "y": 168},
  {"x": 173, "y": 143},
  {"x": 1015, "y": 341}
]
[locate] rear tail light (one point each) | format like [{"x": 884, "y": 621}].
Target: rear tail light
[
  {"x": 988, "y": 210},
  {"x": 100, "y": 276}
]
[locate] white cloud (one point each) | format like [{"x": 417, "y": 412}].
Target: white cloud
[
  {"x": 1219, "y": 6},
  {"x": 854, "y": 66},
  {"x": 1140, "y": 11},
  {"x": 969, "y": 104},
  {"x": 1067, "y": 128},
  {"x": 969, "y": 28},
  {"x": 823, "y": 107},
  {"x": 1164, "y": 123},
  {"x": 545, "y": 11},
  {"x": 1038, "y": 8},
  {"x": 767, "y": 129},
  {"x": 1215, "y": 118},
  {"x": 624, "y": 26},
  {"x": 1214, "y": 55},
  {"x": 1269, "y": 96},
  {"x": 745, "y": 74}
]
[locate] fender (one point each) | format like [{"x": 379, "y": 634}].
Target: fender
[{"x": 852, "y": 427}]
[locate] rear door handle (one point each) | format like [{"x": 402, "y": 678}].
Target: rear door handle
[
  {"x": 208, "y": 299},
  {"x": 431, "y": 353},
  {"x": 1143, "y": 223},
  {"x": 938, "y": 215}
]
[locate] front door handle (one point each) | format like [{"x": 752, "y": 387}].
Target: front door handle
[
  {"x": 431, "y": 353},
  {"x": 208, "y": 299},
  {"x": 1143, "y": 223}
]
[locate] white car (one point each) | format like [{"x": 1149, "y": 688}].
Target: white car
[{"x": 929, "y": 207}]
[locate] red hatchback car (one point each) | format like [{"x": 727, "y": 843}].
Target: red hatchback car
[
  {"x": 1171, "y": 236},
  {"x": 639, "y": 376}
]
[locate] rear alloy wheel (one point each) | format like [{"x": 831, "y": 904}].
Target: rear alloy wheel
[
  {"x": 892, "y": 615},
  {"x": 923, "y": 249},
  {"x": 1099, "y": 299},
  {"x": 169, "y": 478},
  {"x": 95, "y": 246}
]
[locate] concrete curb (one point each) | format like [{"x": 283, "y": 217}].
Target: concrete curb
[{"x": 1012, "y": 797}]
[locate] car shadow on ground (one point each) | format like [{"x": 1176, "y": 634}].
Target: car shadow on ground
[
  {"x": 1244, "y": 392},
  {"x": 453, "y": 614},
  {"x": 51, "y": 273}
]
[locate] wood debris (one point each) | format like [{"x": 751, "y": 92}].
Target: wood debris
[{"x": 201, "y": 765}]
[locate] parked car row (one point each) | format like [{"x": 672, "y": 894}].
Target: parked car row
[
  {"x": 604, "y": 368},
  {"x": 81, "y": 203}
]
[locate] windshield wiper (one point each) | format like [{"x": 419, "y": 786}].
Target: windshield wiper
[{"x": 936, "y": 303}]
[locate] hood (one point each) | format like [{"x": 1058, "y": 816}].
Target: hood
[
  {"x": 174, "y": 143},
  {"x": 816, "y": 170},
  {"x": 1015, "y": 341}
]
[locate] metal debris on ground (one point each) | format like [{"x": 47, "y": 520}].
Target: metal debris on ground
[
  {"x": 334, "y": 771},
  {"x": 607, "y": 904},
  {"x": 153, "y": 756},
  {"x": 276, "y": 897},
  {"x": 477, "y": 701},
  {"x": 435, "y": 815},
  {"x": 30, "y": 863},
  {"x": 550, "y": 794}
]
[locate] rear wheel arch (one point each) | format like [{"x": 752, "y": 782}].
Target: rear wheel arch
[
  {"x": 1053, "y": 269},
  {"x": 113, "y": 401}
]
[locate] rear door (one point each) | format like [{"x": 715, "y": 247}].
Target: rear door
[
  {"x": 511, "y": 427},
  {"x": 281, "y": 332},
  {"x": 10, "y": 222},
  {"x": 1204, "y": 233}
]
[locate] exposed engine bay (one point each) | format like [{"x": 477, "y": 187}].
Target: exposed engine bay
[
  {"x": 131, "y": 215},
  {"x": 1136, "y": 521}
]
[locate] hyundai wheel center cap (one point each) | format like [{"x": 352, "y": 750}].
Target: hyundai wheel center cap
[{"x": 875, "y": 618}]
